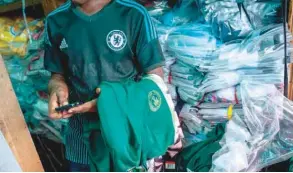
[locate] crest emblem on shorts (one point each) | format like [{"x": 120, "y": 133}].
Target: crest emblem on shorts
[
  {"x": 116, "y": 40},
  {"x": 155, "y": 100}
]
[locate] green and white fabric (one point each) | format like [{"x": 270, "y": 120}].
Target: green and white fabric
[{"x": 136, "y": 122}]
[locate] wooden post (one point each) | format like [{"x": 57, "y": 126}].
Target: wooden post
[{"x": 14, "y": 128}]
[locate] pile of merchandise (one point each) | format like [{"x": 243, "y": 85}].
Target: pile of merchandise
[
  {"x": 24, "y": 59},
  {"x": 215, "y": 47}
]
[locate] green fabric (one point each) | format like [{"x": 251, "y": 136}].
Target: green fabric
[
  {"x": 290, "y": 165},
  {"x": 198, "y": 156},
  {"x": 113, "y": 44},
  {"x": 135, "y": 124}
]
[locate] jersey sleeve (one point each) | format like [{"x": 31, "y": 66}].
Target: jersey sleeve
[
  {"x": 52, "y": 57},
  {"x": 149, "y": 52}
]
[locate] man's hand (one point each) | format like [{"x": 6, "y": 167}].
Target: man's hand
[
  {"x": 58, "y": 95},
  {"x": 90, "y": 106},
  {"x": 58, "y": 98}
]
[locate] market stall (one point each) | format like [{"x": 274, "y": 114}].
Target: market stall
[{"x": 223, "y": 59}]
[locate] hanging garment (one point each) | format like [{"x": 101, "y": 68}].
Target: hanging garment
[{"x": 136, "y": 122}]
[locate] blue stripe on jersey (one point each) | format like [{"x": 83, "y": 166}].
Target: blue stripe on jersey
[
  {"x": 150, "y": 32},
  {"x": 59, "y": 9},
  {"x": 145, "y": 12}
]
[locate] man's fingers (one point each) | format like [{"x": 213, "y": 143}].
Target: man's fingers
[
  {"x": 62, "y": 97},
  {"x": 86, "y": 107},
  {"x": 78, "y": 109},
  {"x": 66, "y": 115},
  {"x": 52, "y": 105},
  {"x": 56, "y": 116}
]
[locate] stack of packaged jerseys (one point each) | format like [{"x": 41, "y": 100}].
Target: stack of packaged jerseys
[
  {"x": 234, "y": 19},
  {"x": 234, "y": 42}
]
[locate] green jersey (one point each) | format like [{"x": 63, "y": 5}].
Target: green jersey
[{"x": 113, "y": 44}]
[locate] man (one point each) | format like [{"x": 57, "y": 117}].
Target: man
[{"x": 90, "y": 41}]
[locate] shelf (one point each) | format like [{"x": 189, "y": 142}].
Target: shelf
[{"x": 18, "y": 5}]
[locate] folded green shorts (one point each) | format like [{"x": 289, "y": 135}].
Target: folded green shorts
[{"x": 135, "y": 123}]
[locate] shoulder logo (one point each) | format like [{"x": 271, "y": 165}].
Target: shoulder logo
[
  {"x": 116, "y": 40},
  {"x": 63, "y": 44},
  {"x": 155, "y": 100}
]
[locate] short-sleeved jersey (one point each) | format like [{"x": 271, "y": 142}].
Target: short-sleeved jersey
[{"x": 113, "y": 44}]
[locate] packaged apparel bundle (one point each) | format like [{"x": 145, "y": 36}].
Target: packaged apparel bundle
[
  {"x": 256, "y": 137},
  {"x": 261, "y": 48},
  {"x": 14, "y": 35},
  {"x": 192, "y": 43},
  {"x": 233, "y": 19},
  {"x": 207, "y": 73},
  {"x": 183, "y": 12},
  {"x": 261, "y": 136},
  {"x": 262, "y": 62},
  {"x": 163, "y": 33}
]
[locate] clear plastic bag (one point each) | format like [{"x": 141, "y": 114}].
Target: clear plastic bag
[
  {"x": 192, "y": 41},
  {"x": 261, "y": 49},
  {"x": 262, "y": 136},
  {"x": 183, "y": 12},
  {"x": 221, "y": 80},
  {"x": 228, "y": 95},
  {"x": 189, "y": 98},
  {"x": 232, "y": 19}
]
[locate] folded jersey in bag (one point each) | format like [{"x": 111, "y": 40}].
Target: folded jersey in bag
[{"x": 136, "y": 124}]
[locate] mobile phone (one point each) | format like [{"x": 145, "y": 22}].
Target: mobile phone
[{"x": 67, "y": 107}]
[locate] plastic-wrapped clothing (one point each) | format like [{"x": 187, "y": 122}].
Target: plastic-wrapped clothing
[
  {"x": 228, "y": 95},
  {"x": 219, "y": 80},
  {"x": 182, "y": 13},
  {"x": 181, "y": 79},
  {"x": 190, "y": 96},
  {"x": 198, "y": 157},
  {"x": 188, "y": 77},
  {"x": 185, "y": 71},
  {"x": 140, "y": 138},
  {"x": 158, "y": 9},
  {"x": 194, "y": 123},
  {"x": 192, "y": 43},
  {"x": 262, "y": 136},
  {"x": 261, "y": 49},
  {"x": 232, "y": 20},
  {"x": 180, "y": 68},
  {"x": 163, "y": 33},
  {"x": 218, "y": 115}
]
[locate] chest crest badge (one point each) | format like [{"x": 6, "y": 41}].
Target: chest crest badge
[
  {"x": 116, "y": 40},
  {"x": 155, "y": 100}
]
